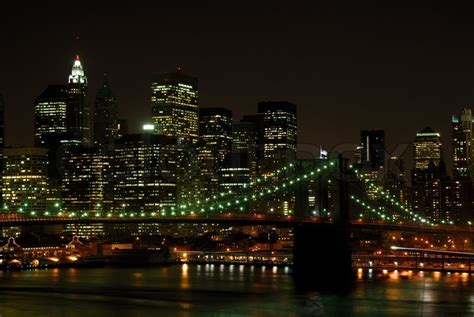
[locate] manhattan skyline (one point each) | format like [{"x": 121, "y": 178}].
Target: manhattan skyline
[{"x": 332, "y": 71}]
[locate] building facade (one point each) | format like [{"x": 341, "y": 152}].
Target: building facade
[
  {"x": 25, "y": 180},
  {"x": 145, "y": 173},
  {"x": 427, "y": 148},
  {"x": 86, "y": 184},
  {"x": 106, "y": 126},
  {"x": 214, "y": 149},
  {"x": 78, "y": 119},
  {"x": 50, "y": 115}
]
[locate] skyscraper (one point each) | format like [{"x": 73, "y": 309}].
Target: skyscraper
[
  {"x": 174, "y": 101},
  {"x": 78, "y": 120},
  {"x": 280, "y": 132},
  {"x": 50, "y": 115},
  {"x": 87, "y": 180},
  {"x": 463, "y": 163},
  {"x": 2, "y": 139},
  {"x": 432, "y": 193},
  {"x": 2, "y": 122},
  {"x": 25, "y": 180},
  {"x": 372, "y": 148},
  {"x": 175, "y": 114},
  {"x": 279, "y": 147},
  {"x": 145, "y": 176},
  {"x": 215, "y": 145},
  {"x": 245, "y": 140},
  {"x": 427, "y": 148},
  {"x": 105, "y": 115}
]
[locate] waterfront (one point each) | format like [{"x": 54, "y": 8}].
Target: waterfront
[{"x": 226, "y": 290}]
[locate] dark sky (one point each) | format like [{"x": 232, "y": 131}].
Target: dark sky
[{"x": 346, "y": 67}]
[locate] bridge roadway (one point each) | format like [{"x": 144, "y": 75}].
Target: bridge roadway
[{"x": 233, "y": 219}]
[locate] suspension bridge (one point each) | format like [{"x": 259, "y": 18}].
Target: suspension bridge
[{"x": 314, "y": 233}]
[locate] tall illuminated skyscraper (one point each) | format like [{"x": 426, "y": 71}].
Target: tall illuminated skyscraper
[
  {"x": 105, "y": 115},
  {"x": 280, "y": 132},
  {"x": 50, "y": 115},
  {"x": 372, "y": 148},
  {"x": 174, "y": 101},
  {"x": 2, "y": 122},
  {"x": 463, "y": 151},
  {"x": 215, "y": 135},
  {"x": 427, "y": 148},
  {"x": 175, "y": 113},
  {"x": 279, "y": 147},
  {"x": 371, "y": 155},
  {"x": 463, "y": 163},
  {"x": 78, "y": 120}
]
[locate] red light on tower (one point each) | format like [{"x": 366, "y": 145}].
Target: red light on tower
[{"x": 77, "y": 57}]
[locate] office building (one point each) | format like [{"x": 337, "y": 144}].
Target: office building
[
  {"x": 78, "y": 119},
  {"x": 145, "y": 175},
  {"x": 25, "y": 182},
  {"x": 87, "y": 180},
  {"x": 174, "y": 101},
  {"x": 427, "y": 148},
  {"x": 50, "y": 115},
  {"x": 106, "y": 126},
  {"x": 214, "y": 149}
]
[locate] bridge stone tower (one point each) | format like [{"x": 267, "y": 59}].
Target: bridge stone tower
[{"x": 322, "y": 251}]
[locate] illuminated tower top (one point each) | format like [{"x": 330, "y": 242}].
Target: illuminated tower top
[{"x": 77, "y": 74}]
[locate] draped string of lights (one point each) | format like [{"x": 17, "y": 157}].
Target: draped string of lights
[
  {"x": 203, "y": 202},
  {"x": 373, "y": 210},
  {"x": 392, "y": 199},
  {"x": 200, "y": 206},
  {"x": 238, "y": 203}
]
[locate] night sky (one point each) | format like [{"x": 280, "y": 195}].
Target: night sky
[{"x": 346, "y": 67}]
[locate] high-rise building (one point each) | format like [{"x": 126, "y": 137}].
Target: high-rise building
[
  {"x": 395, "y": 180},
  {"x": 215, "y": 145},
  {"x": 78, "y": 119},
  {"x": 105, "y": 115},
  {"x": 372, "y": 150},
  {"x": 432, "y": 193},
  {"x": 371, "y": 159},
  {"x": 245, "y": 139},
  {"x": 145, "y": 176},
  {"x": 463, "y": 163},
  {"x": 87, "y": 180},
  {"x": 279, "y": 147},
  {"x": 50, "y": 115},
  {"x": 280, "y": 132},
  {"x": 2, "y": 139},
  {"x": 25, "y": 182},
  {"x": 463, "y": 154},
  {"x": 174, "y": 101},
  {"x": 427, "y": 148},
  {"x": 2, "y": 122},
  {"x": 175, "y": 114}
]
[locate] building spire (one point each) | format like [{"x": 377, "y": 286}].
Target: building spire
[{"x": 77, "y": 75}]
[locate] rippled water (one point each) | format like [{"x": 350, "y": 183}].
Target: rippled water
[{"x": 215, "y": 290}]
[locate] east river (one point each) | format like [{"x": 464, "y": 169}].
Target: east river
[{"x": 226, "y": 290}]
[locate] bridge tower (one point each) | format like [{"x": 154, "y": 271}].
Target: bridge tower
[{"x": 322, "y": 251}]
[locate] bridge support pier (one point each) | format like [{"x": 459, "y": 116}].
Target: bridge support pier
[{"x": 322, "y": 256}]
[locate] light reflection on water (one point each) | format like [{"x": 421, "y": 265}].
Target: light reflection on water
[{"x": 215, "y": 290}]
